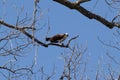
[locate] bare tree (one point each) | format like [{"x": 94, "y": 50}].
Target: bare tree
[{"x": 18, "y": 39}]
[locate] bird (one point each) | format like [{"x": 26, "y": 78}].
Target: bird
[{"x": 58, "y": 38}]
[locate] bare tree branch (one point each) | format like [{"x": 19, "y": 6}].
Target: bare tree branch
[
  {"x": 23, "y": 31},
  {"x": 87, "y": 13},
  {"x": 108, "y": 44},
  {"x": 48, "y": 77},
  {"x": 72, "y": 62},
  {"x": 5, "y": 68},
  {"x": 35, "y": 39},
  {"x": 112, "y": 58},
  {"x": 14, "y": 71}
]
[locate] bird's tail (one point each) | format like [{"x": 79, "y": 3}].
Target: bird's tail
[{"x": 47, "y": 39}]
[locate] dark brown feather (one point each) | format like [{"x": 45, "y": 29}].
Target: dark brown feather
[{"x": 56, "y": 37}]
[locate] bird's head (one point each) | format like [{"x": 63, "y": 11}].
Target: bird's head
[{"x": 66, "y": 34}]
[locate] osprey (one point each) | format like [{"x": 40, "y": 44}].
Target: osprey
[{"x": 57, "y": 38}]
